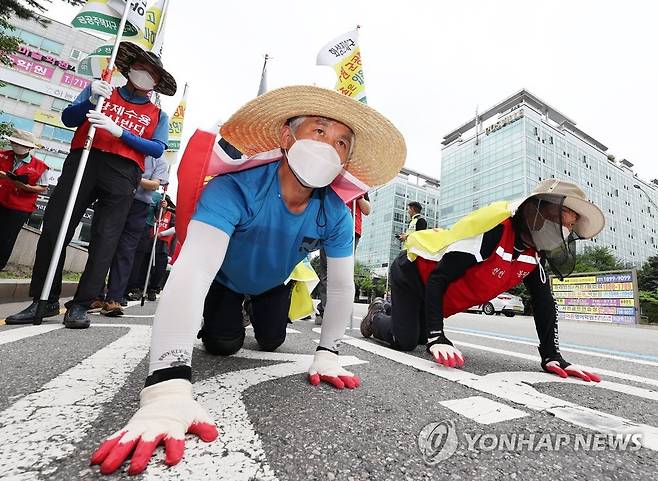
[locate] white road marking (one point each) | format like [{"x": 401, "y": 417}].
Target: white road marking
[
  {"x": 12, "y": 335},
  {"x": 289, "y": 330},
  {"x": 238, "y": 453},
  {"x": 530, "y": 357},
  {"x": 522, "y": 394},
  {"x": 43, "y": 427},
  {"x": 483, "y": 410},
  {"x": 564, "y": 349}
]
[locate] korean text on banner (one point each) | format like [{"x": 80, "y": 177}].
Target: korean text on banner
[
  {"x": 344, "y": 55},
  {"x": 176, "y": 124},
  {"x": 105, "y": 15}
]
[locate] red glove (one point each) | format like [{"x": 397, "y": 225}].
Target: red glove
[
  {"x": 557, "y": 365},
  {"x": 443, "y": 352},
  {"x": 326, "y": 368},
  {"x": 167, "y": 411}
]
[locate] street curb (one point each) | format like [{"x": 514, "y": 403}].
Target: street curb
[{"x": 17, "y": 290}]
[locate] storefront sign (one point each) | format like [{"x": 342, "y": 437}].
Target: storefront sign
[
  {"x": 50, "y": 118},
  {"x": 18, "y": 78},
  {"x": 74, "y": 81},
  {"x": 29, "y": 66},
  {"x": 601, "y": 297},
  {"x": 43, "y": 57}
]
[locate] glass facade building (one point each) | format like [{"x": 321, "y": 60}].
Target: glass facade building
[
  {"x": 507, "y": 150},
  {"x": 378, "y": 245}
]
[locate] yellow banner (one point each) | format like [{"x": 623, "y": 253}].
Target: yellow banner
[
  {"x": 176, "y": 123},
  {"x": 50, "y": 118},
  {"x": 344, "y": 56}
]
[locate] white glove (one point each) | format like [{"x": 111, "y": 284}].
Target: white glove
[
  {"x": 444, "y": 352},
  {"x": 102, "y": 121},
  {"x": 100, "y": 88},
  {"x": 326, "y": 368},
  {"x": 167, "y": 411}
]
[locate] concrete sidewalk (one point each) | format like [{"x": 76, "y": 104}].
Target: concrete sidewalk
[{"x": 17, "y": 290}]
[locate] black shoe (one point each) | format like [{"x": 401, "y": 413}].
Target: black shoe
[
  {"x": 28, "y": 315},
  {"x": 76, "y": 317},
  {"x": 375, "y": 307},
  {"x": 150, "y": 295},
  {"x": 123, "y": 302},
  {"x": 134, "y": 295}
]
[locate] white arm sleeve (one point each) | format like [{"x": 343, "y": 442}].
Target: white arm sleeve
[
  {"x": 340, "y": 296},
  {"x": 180, "y": 310}
]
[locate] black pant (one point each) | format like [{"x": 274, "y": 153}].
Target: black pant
[
  {"x": 109, "y": 180},
  {"x": 223, "y": 329},
  {"x": 405, "y": 327},
  {"x": 141, "y": 264},
  {"x": 122, "y": 263},
  {"x": 11, "y": 222}
]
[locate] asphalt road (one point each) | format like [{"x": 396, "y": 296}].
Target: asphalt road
[{"x": 499, "y": 417}]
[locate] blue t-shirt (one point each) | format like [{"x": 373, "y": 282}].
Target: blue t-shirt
[{"x": 267, "y": 240}]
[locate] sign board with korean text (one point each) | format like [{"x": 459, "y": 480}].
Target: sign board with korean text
[{"x": 599, "y": 296}]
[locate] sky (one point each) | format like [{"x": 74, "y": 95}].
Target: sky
[{"x": 429, "y": 64}]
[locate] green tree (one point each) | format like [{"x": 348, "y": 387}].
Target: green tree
[
  {"x": 647, "y": 277},
  {"x": 597, "y": 259}
]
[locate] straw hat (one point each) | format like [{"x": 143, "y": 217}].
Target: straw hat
[
  {"x": 590, "y": 221},
  {"x": 129, "y": 53},
  {"x": 24, "y": 138},
  {"x": 379, "y": 149}
]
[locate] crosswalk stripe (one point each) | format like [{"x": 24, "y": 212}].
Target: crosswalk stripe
[
  {"x": 44, "y": 426},
  {"x": 483, "y": 410},
  {"x": 13, "y": 335}
]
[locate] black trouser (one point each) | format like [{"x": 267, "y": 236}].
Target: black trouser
[
  {"x": 122, "y": 263},
  {"x": 11, "y": 222},
  {"x": 110, "y": 180},
  {"x": 141, "y": 264},
  {"x": 223, "y": 330},
  {"x": 405, "y": 327}
]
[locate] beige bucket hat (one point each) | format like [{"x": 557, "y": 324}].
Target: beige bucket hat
[
  {"x": 379, "y": 148},
  {"x": 590, "y": 221},
  {"x": 24, "y": 138}
]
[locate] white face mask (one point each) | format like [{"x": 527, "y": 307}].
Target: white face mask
[
  {"x": 314, "y": 163},
  {"x": 20, "y": 149},
  {"x": 141, "y": 79}
]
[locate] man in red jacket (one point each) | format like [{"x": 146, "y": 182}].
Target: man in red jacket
[
  {"x": 471, "y": 271},
  {"x": 22, "y": 178}
]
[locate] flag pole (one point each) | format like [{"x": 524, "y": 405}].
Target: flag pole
[
  {"x": 353, "y": 255},
  {"x": 155, "y": 240},
  {"x": 59, "y": 244}
]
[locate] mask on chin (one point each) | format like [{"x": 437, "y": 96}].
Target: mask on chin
[
  {"x": 314, "y": 163},
  {"x": 141, "y": 79}
]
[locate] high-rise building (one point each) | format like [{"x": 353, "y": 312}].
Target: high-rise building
[
  {"x": 41, "y": 82},
  {"x": 508, "y": 149},
  {"x": 378, "y": 245}
]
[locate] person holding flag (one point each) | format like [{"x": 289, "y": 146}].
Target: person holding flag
[
  {"x": 129, "y": 128},
  {"x": 493, "y": 249},
  {"x": 249, "y": 231}
]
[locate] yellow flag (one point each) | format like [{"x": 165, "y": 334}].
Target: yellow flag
[{"x": 344, "y": 55}]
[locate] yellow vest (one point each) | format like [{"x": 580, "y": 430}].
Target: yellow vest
[
  {"x": 412, "y": 224},
  {"x": 432, "y": 243},
  {"x": 301, "y": 304}
]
